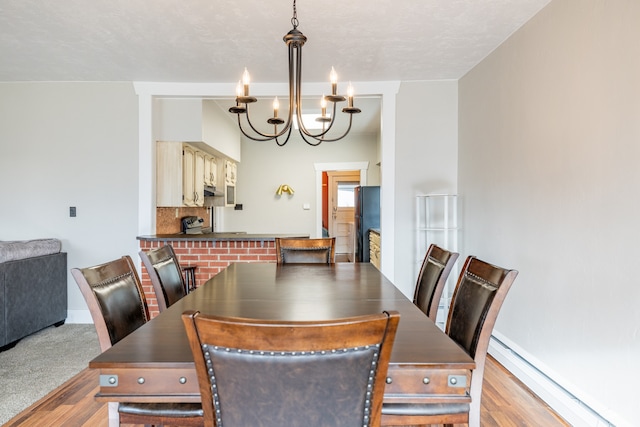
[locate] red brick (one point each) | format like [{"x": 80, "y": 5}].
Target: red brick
[{"x": 211, "y": 257}]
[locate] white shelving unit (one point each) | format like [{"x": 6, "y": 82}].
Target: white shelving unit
[{"x": 437, "y": 222}]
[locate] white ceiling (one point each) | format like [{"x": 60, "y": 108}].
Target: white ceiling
[{"x": 213, "y": 40}]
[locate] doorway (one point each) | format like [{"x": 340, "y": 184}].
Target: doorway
[{"x": 340, "y": 211}]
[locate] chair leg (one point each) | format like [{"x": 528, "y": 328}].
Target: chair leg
[{"x": 114, "y": 416}]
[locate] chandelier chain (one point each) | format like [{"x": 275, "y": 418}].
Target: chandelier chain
[{"x": 294, "y": 18}]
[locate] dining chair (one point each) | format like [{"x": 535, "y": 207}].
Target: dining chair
[
  {"x": 433, "y": 275},
  {"x": 118, "y": 307},
  {"x": 165, "y": 274},
  {"x": 318, "y": 251},
  {"x": 475, "y": 305},
  {"x": 291, "y": 373}
]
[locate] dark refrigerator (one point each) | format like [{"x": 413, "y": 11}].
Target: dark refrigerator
[{"x": 367, "y": 215}]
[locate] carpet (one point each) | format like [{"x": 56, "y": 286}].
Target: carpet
[{"x": 41, "y": 362}]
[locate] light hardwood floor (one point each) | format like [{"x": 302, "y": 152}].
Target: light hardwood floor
[{"x": 506, "y": 402}]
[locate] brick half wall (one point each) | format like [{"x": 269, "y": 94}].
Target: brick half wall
[{"x": 210, "y": 257}]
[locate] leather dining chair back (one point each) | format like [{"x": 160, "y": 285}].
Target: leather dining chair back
[
  {"x": 433, "y": 275},
  {"x": 118, "y": 307},
  {"x": 475, "y": 305},
  {"x": 115, "y": 299},
  {"x": 318, "y": 251},
  {"x": 283, "y": 373},
  {"x": 165, "y": 274}
]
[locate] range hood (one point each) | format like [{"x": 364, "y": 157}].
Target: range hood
[{"x": 210, "y": 191}]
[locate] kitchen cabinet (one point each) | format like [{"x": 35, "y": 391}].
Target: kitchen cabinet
[
  {"x": 188, "y": 174},
  {"x": 231, "y": 172},
  {"x": 169, "y": 174},
  {"x": 180, "y": 175},
  {"x": 198, "y": 178},
  {"x": 192, "y": 176},
  {"x": 374, "y": 248},
  {"x": 210, "y": 170}
]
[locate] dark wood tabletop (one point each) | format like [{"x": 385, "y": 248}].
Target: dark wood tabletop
[{"x": 154, "y": 363}]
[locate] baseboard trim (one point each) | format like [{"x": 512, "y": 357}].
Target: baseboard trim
[
  {"x": 568, "y": 406},
  {"x": 79, "y": 316}
]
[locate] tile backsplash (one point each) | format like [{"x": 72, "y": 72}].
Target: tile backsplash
[{"x": 168, "y": 219}]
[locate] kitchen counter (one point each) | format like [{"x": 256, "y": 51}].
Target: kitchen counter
[{"x": 230, "y": 236}]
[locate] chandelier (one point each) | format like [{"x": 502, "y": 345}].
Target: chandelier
[{"x": 294, "y": 39}]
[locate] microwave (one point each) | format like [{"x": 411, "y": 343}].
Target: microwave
[{"x": 229, "y": 195}]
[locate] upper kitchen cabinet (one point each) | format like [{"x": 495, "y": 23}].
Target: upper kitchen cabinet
[
  {"x": 169, "y": 173},
  {"x": 210, "y": 170},
  {"x": 230, "y": 172},
  {"x": 201, "y": 123},
  {"x": 182, "y": 173}
]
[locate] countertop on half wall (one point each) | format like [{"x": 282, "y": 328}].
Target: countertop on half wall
[{"x": 229, "y": 236}]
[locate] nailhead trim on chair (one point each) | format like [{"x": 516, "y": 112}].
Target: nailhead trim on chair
[
  {"x": 314, "y": 248},
  {"x": 482, "y": 282},
  {"x": 436, "y": 262},
  {"x": 284, "y": 249},
  {"x": 206, "y": 349}
]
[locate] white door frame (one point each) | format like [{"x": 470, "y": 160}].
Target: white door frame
[
  {"x": 148, "y": 91},
  {"x": 363, "y": 167}
]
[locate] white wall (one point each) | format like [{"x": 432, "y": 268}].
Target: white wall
[
  {"x": 549, "y": 145},
  {"x": 265, "y": 166},
  {"x": 220, "y": 130},
  {"x": 70, "y": 144},
  {"x": 426, "y": 163}
]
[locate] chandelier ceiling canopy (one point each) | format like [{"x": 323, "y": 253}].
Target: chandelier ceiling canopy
[{"x": 294, "y": 40}]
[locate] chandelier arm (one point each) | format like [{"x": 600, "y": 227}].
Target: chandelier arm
[
  {"x": 266, "y": 138},
  {"x": 262, "y": 134},
  {"x": 298, "y": 89},
  {"x": 314, "y": 144},
  {"x": 321, "y": 135},
  {"x": 253, "y": 137},
  {"x": 291, "y": 86},
  {"x": 287, "y": 127},
  {"x": 280, "y": 144},
  {"x": 338, "y": 138},
  {"x": 301, "y": 127}
]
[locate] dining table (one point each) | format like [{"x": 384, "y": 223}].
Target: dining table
[{"x": 155, "y": 364}]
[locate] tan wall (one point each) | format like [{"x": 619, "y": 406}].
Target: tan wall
[{"x": 549, "y": 141}]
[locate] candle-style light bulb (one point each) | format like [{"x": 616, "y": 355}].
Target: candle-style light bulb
[
  {"x": 276, "y": 106},
  {"x": 350, "y": 95},
  {"x": 239, "y": 89},
  {"x": 333, "y": 77},
  {"x": 245, "y": 80},
  {"x": 323, "y": 105}
]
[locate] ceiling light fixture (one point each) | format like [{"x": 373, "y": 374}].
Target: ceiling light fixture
[{"x": 294, "y": 40}]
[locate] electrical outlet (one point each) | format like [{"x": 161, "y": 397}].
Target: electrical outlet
[{"x": 72, "y": 211}]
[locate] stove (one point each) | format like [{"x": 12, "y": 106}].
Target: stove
[{"x": 192, "y": 225}]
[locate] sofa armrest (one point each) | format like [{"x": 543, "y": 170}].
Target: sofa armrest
[{"x": 33, "y": 295}]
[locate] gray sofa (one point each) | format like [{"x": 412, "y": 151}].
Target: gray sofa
[{"x": 33, "y": 288}]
